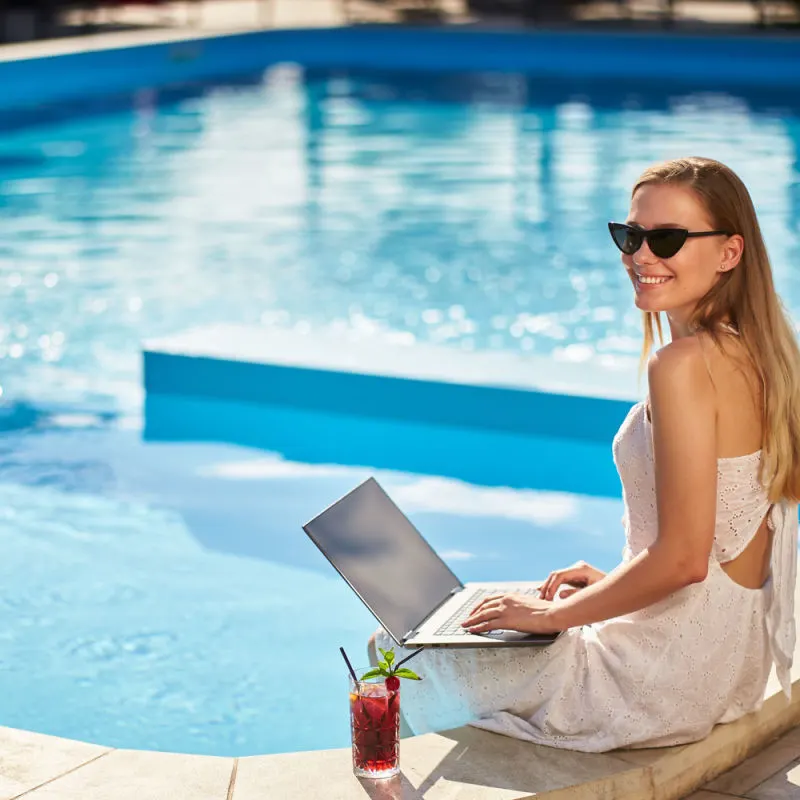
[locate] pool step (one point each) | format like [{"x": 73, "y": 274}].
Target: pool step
[{"x": 378, "y": 378}]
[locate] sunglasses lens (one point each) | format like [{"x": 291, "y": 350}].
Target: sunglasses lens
[
  {"x": 665, "y": 243},
  {"x": 627, "y": 239}
]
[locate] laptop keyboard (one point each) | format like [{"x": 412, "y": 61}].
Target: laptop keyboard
[{"x": 452, "y": 625}]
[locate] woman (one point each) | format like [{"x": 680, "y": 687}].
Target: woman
[{"x": 682, "y": 634}]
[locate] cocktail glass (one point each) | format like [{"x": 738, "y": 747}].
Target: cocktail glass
[{"x": 375, "y": 726}]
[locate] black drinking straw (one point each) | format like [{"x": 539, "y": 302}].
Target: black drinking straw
[
  {"x": 349, "y": 665},
  {"x": 408, "y": 658},
  {"x": 355, "y": 679}
]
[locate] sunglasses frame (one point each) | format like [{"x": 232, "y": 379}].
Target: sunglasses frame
[{"x": 656, "y": 234}]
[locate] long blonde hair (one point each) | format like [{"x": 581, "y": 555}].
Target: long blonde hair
[{"x": 746, "y": 298}]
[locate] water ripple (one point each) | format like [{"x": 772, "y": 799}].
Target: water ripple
[{"x": 374, "y": 201}]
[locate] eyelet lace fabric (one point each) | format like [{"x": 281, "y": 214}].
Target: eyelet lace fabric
[{"x": 664, "y": 675}]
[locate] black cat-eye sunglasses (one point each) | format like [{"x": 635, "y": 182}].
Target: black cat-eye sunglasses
[{"x": 663, "y": 242}]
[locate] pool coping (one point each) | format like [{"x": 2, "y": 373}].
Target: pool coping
[
  {"x": 460, "y": 764},
  {"x": 115, "y": 40},
  {"x": 67, "y": 73},
  {"x": 144, "y": 36}
]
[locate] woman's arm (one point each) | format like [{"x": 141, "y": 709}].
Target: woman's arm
[{"x": 684, "y": 443}]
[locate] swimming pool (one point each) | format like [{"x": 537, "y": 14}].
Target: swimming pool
[
  {"x": 459, "y": 209},
  {"x": 162, "y": 595}
]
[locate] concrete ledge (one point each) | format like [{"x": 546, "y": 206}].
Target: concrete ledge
[{"x": 375, "y": 378}]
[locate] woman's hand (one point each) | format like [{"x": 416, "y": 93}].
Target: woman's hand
[
  {"x": 578, "y": 576},
  {"x": 511, "y": 612}
]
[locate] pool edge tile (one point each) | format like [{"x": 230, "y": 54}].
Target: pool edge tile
[
  {"x": 31, "y": 760},
  {"x": 142, "y": 775}
]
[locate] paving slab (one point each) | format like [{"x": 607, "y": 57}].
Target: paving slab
[
  {"x": 783, "y": 786},
  {"x": 461, "y": 764},
  {"x": 142, "y": 775},
  {"x": 28, "y": 759}
]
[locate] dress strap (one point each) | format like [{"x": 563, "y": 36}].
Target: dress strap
[{"x": 780, "y": 605}]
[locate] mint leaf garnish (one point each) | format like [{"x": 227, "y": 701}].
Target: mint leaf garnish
[
  {"x": 389, "y": 667},
  {"x": 403, "y": 672}
]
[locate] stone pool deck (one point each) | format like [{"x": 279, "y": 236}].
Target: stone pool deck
[
  {"x": 461, "y": 764},
  {"x": 135, "y": 25}
]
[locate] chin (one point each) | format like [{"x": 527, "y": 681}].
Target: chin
[{"x": 649, "y": 304}]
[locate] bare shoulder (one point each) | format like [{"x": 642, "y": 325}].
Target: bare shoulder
[
  {"x": 683, "y": 410},
  {"x": 680, "y": 369}
]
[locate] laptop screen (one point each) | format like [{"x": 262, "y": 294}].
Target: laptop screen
[{"x": 383, "y": 557}]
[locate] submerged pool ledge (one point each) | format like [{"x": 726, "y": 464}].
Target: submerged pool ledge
[
  {"x": 377, "y": 378},
  {"x": 461, "y": 764}
]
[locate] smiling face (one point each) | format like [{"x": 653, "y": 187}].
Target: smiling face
[{"x": 676, "y": 284}]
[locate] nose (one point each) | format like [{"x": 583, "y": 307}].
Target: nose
[{"x": 644, "y": 255}]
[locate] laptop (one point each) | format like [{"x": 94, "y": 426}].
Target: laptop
[{"x": 413, "y": 594}]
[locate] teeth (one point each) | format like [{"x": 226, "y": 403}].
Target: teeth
[{"x": 647, "y": 279}]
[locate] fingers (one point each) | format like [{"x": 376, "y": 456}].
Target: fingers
[
  {"x": 567, "y": 592},
  {"x": 573, "y": 575},
  {"x": 479, "y": 619},
  {"x": 483, "y": 627},
  {"x": 487, "y": 612},
  {"x": 492, "y": 609},
  {"x": 489, "y": 599},
  {"x": 554, "y": 580},
  {"x": 488, "y": 621}
]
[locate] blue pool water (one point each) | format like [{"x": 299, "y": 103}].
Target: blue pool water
[
  {"x": 164, "y": 597},
  {"x": 161, "y": 595},
  {"x": 468, "y": 210}
]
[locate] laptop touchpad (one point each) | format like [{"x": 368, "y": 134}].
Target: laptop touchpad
[{"x": 517, "y": 636}]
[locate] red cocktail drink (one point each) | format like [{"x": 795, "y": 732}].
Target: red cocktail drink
[{"x": 375, "y": 723}]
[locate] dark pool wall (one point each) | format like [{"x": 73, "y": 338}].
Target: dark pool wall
[{"x": 765, "y": 60}]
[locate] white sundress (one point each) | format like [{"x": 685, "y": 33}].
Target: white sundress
[{"x": 664, "y": 675}]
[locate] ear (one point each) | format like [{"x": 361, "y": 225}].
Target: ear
[{"x": 731, "y": 253}]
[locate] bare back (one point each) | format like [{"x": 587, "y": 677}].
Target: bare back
[
  {"x": 739, "y": 403},
  {"x": 739, "y": 421}
]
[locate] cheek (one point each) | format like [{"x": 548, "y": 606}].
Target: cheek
[
  {"x": 627, "y": 262},
  {"x": 688, "y": 269}
]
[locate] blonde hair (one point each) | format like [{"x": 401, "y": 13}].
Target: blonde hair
[{"x": 745, "y": 297}]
